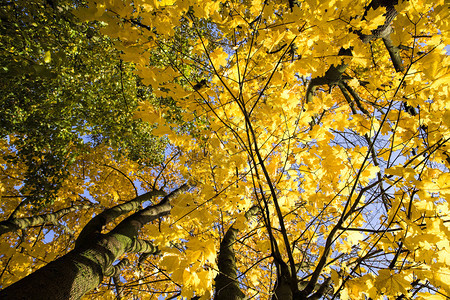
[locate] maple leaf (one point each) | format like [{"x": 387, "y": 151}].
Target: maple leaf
[
  {"x": 306, "y": 150},
  {"x": 389, "y": 283}
]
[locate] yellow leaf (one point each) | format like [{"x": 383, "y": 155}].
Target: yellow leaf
[
  {"x": 396, "y": 171},
  {"x": 375, "y": 18},
  {"x": 391, "y": 284},
  {"x": 354, "y": 237},
  {"x": 161, "y": 130},
  {"x": 116, "y": 196},
  {"x": 190, "y": 278},
  {"x": 428, "y": 296},
  {"x": 443, "y": 182},
  {"x": 6, "y": 249},
  {"x": 218, "y": 57},
  {"x": 337, "y": 280},
  {"x": 47, "y": 57},
  {"x": 170, "y": 262},
  {"x": 430, "y": 63}
]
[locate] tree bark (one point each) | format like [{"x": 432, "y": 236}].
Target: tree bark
[
  {"x": 227, "y": 285},
  {"x": 83, "y": 269},
  {"x": 226, "y": 282},
  {"x": 68, "y": 277},
  {"x": 13, "y": 224}
]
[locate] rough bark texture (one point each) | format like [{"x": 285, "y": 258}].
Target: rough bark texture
[
  {"x": 95, "y": 226},
  {"x": 72, "y": 275},
  {"x": 227, "y": 286},
  {"x": 83, "y": 269},
  {"x": 68, "y": 277}
]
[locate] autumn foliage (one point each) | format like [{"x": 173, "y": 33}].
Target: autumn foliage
[{"x": 308, "y": 156}]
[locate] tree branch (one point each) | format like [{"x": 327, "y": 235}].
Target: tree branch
[
  {"x": 143, "y": 246},
  {"x": 114, "y": 272},
  {"x": 130, "y": 227},
  {"x": 332, "y": 77},
  {"x": 95, "y": 225},
  {"x": 22, "y": 223},
  {"x": 394, "y": 53}
]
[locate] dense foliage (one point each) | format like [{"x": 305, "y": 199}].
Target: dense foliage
[
  {"x": 64, "y": 90},
  {"x": 309, "y": 158}
]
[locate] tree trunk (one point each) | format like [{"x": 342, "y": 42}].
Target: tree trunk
[
  {"x": 68, "y": 277},
  {"x": 82, "y": 269},
  {"x": 227, "y": 285}
]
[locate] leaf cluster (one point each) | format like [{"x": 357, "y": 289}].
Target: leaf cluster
[{"x": 64, "y": 90}]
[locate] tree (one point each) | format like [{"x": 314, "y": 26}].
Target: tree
[
  {"x": 64, "y": 90},
  {"x": 315, "y": 164}
]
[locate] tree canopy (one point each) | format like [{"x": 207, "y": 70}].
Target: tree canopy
[
  {"x": 64, "y": 90},
  {"x": 308, "y": 154}
]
